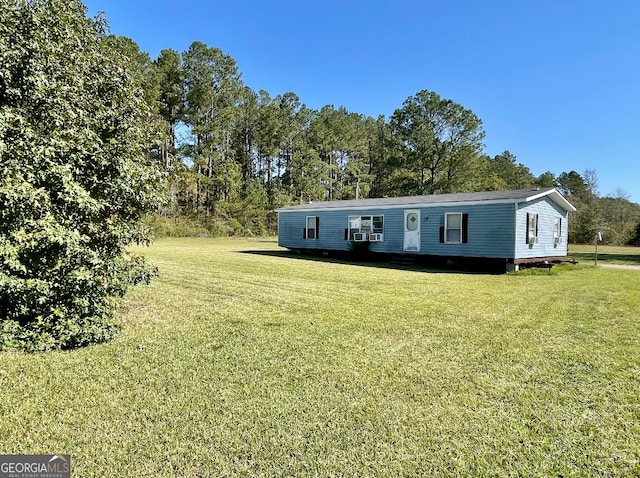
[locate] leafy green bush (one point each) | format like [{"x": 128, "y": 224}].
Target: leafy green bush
[
  {"x": 197, "y": 225},
  {"x": 179, "y": 226},
  {"x": 75, "y": 177}
]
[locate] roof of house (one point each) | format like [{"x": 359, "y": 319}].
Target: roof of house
[{"x": 515, "y": 196}]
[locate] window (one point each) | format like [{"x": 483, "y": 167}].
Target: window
[
  {"x": 364, "y": 225},
  {"x": 455, "y": 228},
  {"x": 413, "y": 221},
  {"x": 557, "y": 230},
  {"x": 532, "y": 228},
  {"x": 378, "y": 224},
  {"x": 312, "y": 231}
]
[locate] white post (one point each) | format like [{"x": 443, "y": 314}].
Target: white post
[{"x": 595, "y": 241}]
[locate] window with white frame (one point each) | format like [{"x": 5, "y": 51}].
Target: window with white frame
[
  {"x": 532, "y": 228},
  {"x": 364, "y": 225},
  {"x": 557, "y": 229},
  {"x": 453, "y": 227},
  {"x": 311, "y": 230}
]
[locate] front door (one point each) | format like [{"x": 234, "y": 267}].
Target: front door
[{"x": 412, "y": 230}]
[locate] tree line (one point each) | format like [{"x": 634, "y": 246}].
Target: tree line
[{"x": 234, "y": 155}]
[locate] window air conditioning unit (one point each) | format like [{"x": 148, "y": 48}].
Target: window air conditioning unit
[
  {"x": 359, "y": 236},
  {"x": 532, "y": 240},
  {"x": 557, "y": 240},
  {"x": 377, "y": 237}
]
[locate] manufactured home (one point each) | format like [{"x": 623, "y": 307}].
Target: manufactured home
[{"x": 525, "y": 226}]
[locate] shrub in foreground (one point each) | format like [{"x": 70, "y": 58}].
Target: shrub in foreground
[{"x": 75, "y": 177}]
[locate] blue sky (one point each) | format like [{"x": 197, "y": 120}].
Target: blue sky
[{"x": 557, "y": 83}]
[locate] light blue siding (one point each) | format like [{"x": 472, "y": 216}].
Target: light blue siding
[
  {"x": 332, "y": 226},
  {"x": 490, "y": 230},
  {"x": 546, "y": 246}
]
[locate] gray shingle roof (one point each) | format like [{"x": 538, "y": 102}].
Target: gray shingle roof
[{"x": 518, "y": 195}]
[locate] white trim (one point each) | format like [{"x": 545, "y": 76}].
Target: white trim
[
  {"x": 533, "y": 220},
  {"x": 555, "y": 196},
  {"x": 557, "y": 227},
  {"x": 446, "y": 215},
  {"x": 315, "y": 229},
  {"x": 537, "y": 196},
  {"x": 405, "y": 206},
  {"x": 359, "y": 218}
]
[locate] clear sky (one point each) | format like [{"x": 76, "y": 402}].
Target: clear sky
[{"x": 556, "y": 82}]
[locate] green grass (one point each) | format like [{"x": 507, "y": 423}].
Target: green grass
[
  {"x": 267, "y": 364},
  {"x": 585, "y": 253}
]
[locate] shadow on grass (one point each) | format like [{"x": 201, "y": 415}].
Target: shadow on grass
[
  {"x": 387, "y": 262},
  {"x": 586, "y": 257}
]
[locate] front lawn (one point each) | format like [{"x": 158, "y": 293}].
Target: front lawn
[{"x": 244, "y": 360}]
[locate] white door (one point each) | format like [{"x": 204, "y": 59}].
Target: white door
[{"x": 412, "y": 230}]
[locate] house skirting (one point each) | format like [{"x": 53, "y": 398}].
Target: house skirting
[{"x": 486, "y": 264}]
